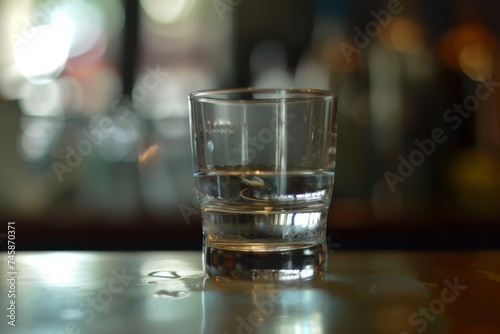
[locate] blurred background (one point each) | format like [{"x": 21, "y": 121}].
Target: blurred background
[{"x": 94, "y": 132}]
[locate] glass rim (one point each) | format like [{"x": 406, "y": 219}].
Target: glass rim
[{"x": 276, "y": 95}]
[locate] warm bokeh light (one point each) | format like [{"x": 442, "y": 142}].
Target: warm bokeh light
[
  {"x": 149, "y": 153},
  {"x": 403, "y": 35},
  {"x": 456, "y": 40},
  {"x": 476, "y": 60}
]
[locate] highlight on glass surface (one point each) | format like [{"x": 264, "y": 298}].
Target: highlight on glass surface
[{"x": 264, "y": 166}]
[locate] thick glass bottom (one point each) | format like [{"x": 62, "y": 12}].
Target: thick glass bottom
[{"x": 283, "y": 265}]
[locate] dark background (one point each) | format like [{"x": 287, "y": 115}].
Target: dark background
[{"x": 121, "y": 70}]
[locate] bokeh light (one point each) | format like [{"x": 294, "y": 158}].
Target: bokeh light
[
  {"x": 46, "y": 99},
  {"x": 41, "y": 51},
  {"x": 476, "y": 60},
  {"x": 167, "y": 11},
  {"x": 312, "y": 73},
  {"x": 403, "y": 35},
  {"x": 37, "y": 136},
  {"x": 120, "y": 135},
  {"x": 87, "y": 25},
  {"x": 166, "y": 95},
  {"x": 468, "y": 48}
]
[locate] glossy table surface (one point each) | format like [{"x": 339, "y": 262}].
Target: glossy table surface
[{"x": 166, "y": 292}]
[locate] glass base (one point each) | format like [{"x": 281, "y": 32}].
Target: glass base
[{"x": 295, "y": 264}]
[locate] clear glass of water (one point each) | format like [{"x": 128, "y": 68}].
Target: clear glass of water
[{"x": 264, "y": 166}]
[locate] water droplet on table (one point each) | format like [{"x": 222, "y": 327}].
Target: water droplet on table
[
  {"x": 171, "y": 294},
  {"x": 165, "y": 274}
]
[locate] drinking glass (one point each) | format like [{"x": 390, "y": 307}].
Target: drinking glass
[{"x": 264, "y": 167}]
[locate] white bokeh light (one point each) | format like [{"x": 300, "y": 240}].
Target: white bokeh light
[
  {"x": 86, "y": 23},
  {"x": 37, "y": 136},
  {"x": 43, "y": 100},
  {"x": 167, "y": 11},
  {"x": 41, "y": 51}
]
